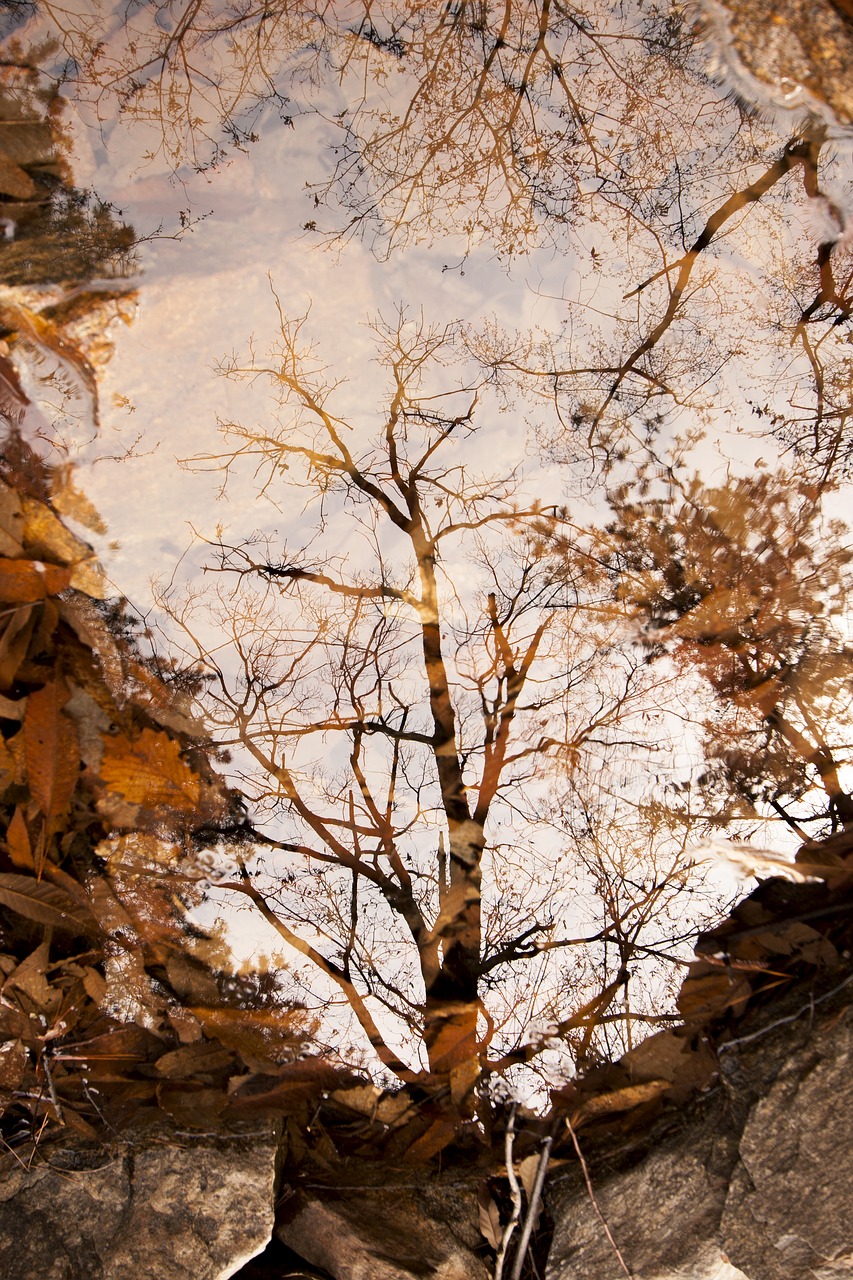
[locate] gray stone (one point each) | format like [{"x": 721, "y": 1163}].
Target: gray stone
[
  {"x": 755, "y": 1185},
  {"x": 161, "y": 1205}
]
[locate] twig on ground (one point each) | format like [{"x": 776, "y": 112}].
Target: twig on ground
[{"x": 585, "y": 1171}]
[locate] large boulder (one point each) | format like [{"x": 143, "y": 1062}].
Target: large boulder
[
  {"x": 755, "y": 1184},
  {"x": 158, "y": 1205}
]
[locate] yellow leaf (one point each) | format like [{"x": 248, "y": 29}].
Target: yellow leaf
[{"x": 149, "y": 771}]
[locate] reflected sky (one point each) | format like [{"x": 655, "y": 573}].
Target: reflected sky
[{"x": 644, "y": 275}]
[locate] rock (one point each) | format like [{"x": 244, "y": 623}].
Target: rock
[
  {"x": 160, "y": 1204},
  {"x": 756, "y": 1184},
  {"x": 387, "y": 1233}
]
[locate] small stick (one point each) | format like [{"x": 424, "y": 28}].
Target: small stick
[
  {"x": 533, "y": 1208},
  {"x": 622, "y": 1263},
  {"x": 515, "y": 1193}
]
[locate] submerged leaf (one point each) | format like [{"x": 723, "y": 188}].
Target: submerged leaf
[
  {"x": 149, "y": 771},
  {"x": 42, "y": 902},
  {"x": 25, "y": 581},
  {"x": 52, "y": 754}
]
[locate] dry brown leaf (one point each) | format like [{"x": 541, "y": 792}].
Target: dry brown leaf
[
  {"x": 53, "y": 757},
  {"x": 14, "y": 642},
  {"x": 13, "y": 1064},
  {"x": 149, "y": 771},
  {"x": 490, "y": 1217},
  {"x": 633, "y": 1095},
  {"x": 30, "y": 978},
  {"x": 18, "y": 842},
  {"x": 42, "y": 902}
]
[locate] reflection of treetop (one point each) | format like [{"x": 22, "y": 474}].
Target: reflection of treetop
[
  {"x": 681, "y": 215},
  {"x": 397, "y": 681}
]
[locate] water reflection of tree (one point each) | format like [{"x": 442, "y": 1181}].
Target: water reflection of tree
[
  {"x": 516, "y": 122},
  {"x": 400, "y": 702},
  {"x": 505, "y": 123}
]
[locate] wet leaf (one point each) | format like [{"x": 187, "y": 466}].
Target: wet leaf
[
  {"x": 74, "y": 1121},
  {"x": 149, "y": 771},
  {"x": 15, "y": 181},
  {"x": 259, "y": 1034},
  {"x": 631, "y": 1096},
  {"x": 7, "y": 767},
  {"x": 14, "y": 642},
  {"x": 11, "y": 516},
  {"x": 30, "y": 978},
  {"x": 46, "y": 537},
  {"x": 44, "y": 903},
  {"x": 706, "y": 994},
  {"x": 439, "y": 1135},
  {"x": 25, "y": 581},
  {"x": 12, "y": 709},
  {"x": 462, "y": 1080},
  {"x": 192, "y": 1105},
  {"x": 52, "y": 754},
  {"x": 192, "y": 1059},
  {"x": 13, "y": 1064},
  {"x": 95, "y": 986}
]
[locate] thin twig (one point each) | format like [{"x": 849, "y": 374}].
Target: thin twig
[
  {"x": 532, "y": 1208},
  {"x": 515, "y": 1193},
  {"x": 781, "y": 1022},
  {"x": 622, "y": 1263}
]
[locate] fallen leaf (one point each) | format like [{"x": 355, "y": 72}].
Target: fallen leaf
[
  {"x": 527, "y": 1174},
  {"x": 490, "y": 1217},
  {"x": 259, "y": 1034},
  {"x": 53, "y": 757},
  {"x": 30, "y": 978},
  {"x": 149, "y": 771},
  {"x": 633, "y": 1095},
  {"x": 46, "y": 537},
  {"x": 25, "y": 581},
  {"x": 192, "y": 1059},
  {"x": 14, "y": 642},
  {"x": 41, "y": 902},
  {"x": 15, "y": 181},
  {"x": 13, "y": 1064}
]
